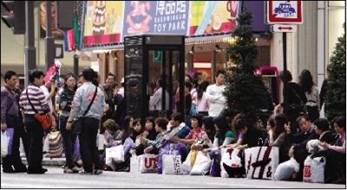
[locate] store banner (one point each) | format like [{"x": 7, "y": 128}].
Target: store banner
[
  {"x": 169, "y": 17},
  {"x": 103, "y": 22},
  {"x": 107, "y": 22},
  {"x": 209, "y": 17}
]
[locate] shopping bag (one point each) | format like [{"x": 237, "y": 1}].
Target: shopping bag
[
  {"x": 314, "y": 169},
  {"x": 134, "y": 164},
  {"x": 55, "y": 144},
  {"x": 100, "y": 142},
  {"x": 287, "y": 170},
  {"x": 261, "y": 162},
  {"x": 114, "y": 154},
  {"x": 231, "y": 164},
  {"x": 148, "y": 163},
  {"x": 202, "y": 164},
  {"x": 4, "y": 144},
  {"x": 172, "y": 164},
  {"x": 189, "y": 162}
]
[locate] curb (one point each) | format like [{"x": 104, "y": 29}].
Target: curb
[{"x": 46, "y": 161}]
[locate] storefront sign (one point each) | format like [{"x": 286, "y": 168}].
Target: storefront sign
[
  {"x": 169, "y": 17},
  {"x": 107, "y": 22},
  {"x": 284, "y": 12}
]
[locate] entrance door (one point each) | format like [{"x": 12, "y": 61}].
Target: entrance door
[{"x": 163, "y": 76}]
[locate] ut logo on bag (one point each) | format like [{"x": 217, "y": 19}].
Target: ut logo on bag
[
  {"x": 307, "y": 171},
  {"x": 151, "y": 162}
]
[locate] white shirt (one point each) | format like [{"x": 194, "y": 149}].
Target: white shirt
[
  {"x": 155, "y": 101},
  {"x": 47, "y": 96},
  {"x": 216, "y": 100}
]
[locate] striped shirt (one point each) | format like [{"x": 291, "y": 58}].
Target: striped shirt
[{"x": 37, "y": 98}]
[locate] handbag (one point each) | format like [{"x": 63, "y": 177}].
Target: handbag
[
  {"x": 43, "y": 118},
  {"x": 55, "y": 144}
]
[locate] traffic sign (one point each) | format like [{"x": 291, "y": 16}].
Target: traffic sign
[
  {"x": 283, "y": 28},
  {"x": 284, "y": 12}
]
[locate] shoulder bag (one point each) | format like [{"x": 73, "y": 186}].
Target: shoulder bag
[{"x": 43, "y": 118}]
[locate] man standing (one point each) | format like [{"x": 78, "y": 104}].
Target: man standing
[
  {"x": 33, "y": 100},
  {"x": 214, "y": 94},
  {"x": 10, "y": 120},
  {"x": 109, "y": 89},
  {"x": 88, "y": 106}
]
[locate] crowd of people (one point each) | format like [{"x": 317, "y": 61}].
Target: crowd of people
[{"x": 84, "y": 111}]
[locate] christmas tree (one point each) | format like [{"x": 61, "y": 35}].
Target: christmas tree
[
  {"x": 335, "y": 104},
  {"x": 245, "y": 92}
]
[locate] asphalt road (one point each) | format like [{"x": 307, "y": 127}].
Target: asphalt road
[{"x": 55, "y": 178}]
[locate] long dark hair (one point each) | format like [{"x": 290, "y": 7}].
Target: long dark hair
[
  {"x": 306, "y": 81},
  {"x": 222, "y": 125},
  {"x": 126, "y": 127},
  {"x": 202, "y": 88},
  {"x": 152, "y": 133},
  {"x": 209, "y": 127},
  {"x": 66, "y": 77}
]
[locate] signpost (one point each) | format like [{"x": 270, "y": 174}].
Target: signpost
[{"x": 283, "y": 15}]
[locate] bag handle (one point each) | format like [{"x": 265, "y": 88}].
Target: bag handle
[
  {"x": 30, "y": 102},
  {"x": 90, "y": 105}
]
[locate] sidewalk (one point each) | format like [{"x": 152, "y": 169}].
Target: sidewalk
[{"x": 46, "y": 161}]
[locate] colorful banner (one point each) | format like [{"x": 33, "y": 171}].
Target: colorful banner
[
  {"x": 169, "y": 17},
  {"x": 208, "y": 17},
  {"x": 103, "y": 22}
]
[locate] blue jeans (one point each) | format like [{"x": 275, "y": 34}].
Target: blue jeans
[{"x": 69, "y": 140}]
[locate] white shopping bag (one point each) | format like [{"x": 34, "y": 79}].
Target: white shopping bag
[
  {"x": 100, "y": 142},
  {"x": 115, "y": 154},
  {"x": 202, "y": 164},
  {"x": 4, "y": 144},
  {"x": 261, "y": 162},
  {"x": 187, "y": 165},
  {"x": 148, "y": 163},
  {"x": 230, "y": 162},
  {"x": 172, "y": 164},
  {"x": 314, "y": 169},
  {"x": 134, "y": 164}
]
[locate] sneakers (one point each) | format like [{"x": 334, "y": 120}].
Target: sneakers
[
  {"x": 94, "y": 172},
  {"x": 97, "y": 172},
  {"x": 74, "y": 169}
]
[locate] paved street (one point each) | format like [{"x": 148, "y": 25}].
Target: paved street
[{"x": 56, "y": 179}]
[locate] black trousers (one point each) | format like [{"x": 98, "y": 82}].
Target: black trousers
[
  {"x": 88, "y": 149},
  {"x": 69, "y": 140},
  {"x": 35, "y": 133},
  {"x": 13, "y": 159}
]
